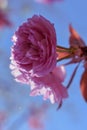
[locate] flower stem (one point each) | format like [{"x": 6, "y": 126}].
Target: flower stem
[
  {"x": 64, "y": 53},
  {"x": 64, "y": 49},
  {"x": 72, "y": 77},
  {"x": 63, "y": 58}
]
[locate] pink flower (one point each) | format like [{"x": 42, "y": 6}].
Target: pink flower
[
  {"x": 34, "y": 57},
  {"x": 4, "y": 21},
  {"x": 48, "y": 1},
  {"x": 3, "y": 4},
  {"x": 37, "y": 112},
  {"x": 50, "y": 85},
  {"x": 34, "y": 49}
]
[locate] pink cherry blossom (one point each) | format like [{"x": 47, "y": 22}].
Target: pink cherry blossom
[
  {"x": 3, "y": 4},
  {"x": 50, "y": 86},
  {"x": 34, "y": 49},
  {"x": 3, "y": 117},
  {"x": 34, "y": 57},
  {"x": 48, "y": 1},
  {"x": 4, "y": 20},
  {"x": 37, "y": 112}
]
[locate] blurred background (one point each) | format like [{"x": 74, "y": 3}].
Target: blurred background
[{"x": 19, "y": 111}]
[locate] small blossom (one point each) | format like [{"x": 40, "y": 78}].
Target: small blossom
[
  {"x": 4, "y": 20},
  {"x": 50, "y": 86},
  {"x": 37, "y": 112},
  {"x": 48, "y": 1},
  {"x": 3, "y": 4},
  {"x": 3, "y": 117},
  {"x": 34, "y": 49}
]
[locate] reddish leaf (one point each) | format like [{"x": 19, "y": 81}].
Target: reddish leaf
[
  {"x": 83, "y": 85},
  {"x": 75, "y": 40}
]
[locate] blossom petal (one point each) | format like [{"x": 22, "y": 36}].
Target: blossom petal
[{"x": 50, "y": 86}]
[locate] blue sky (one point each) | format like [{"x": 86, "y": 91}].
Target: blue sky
[{"x": 14, "y": 97}]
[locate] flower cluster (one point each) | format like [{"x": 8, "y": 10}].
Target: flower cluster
[{"x": 34, "y": 59}]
